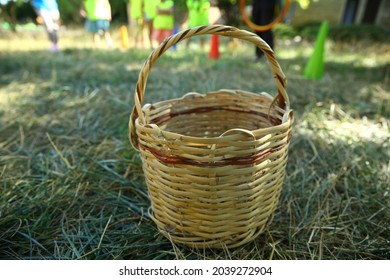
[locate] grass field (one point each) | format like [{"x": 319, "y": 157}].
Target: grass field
[{"x": 72, "y": 187}]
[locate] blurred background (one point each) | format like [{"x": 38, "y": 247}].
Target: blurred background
[{"x": 16, "y": 13}]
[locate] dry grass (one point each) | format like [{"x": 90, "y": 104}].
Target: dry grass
[{"x": 72, "y": 187}]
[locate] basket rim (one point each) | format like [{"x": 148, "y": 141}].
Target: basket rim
[
  {"x": 157, "y": 130},
  {"x": 280, "y": 99}
]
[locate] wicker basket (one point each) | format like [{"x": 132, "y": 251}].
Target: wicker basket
[{"x": 214, "y": 164}]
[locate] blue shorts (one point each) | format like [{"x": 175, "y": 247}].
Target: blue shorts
[{"x": 99, "y": 25}]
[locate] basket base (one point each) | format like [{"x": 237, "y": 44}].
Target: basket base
[{"x": 233, "y": 241}]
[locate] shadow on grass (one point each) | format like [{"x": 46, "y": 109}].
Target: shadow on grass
[{"x": 72, "y": 187}]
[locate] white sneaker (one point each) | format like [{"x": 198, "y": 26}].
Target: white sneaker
[{"x": 54, "y": 48}]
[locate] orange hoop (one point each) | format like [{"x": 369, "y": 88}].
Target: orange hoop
[{"x": 268, "y": 26}]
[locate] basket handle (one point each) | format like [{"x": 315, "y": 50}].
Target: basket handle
[{"x": 227, "y": 31}]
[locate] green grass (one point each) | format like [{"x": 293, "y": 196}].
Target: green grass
[{"x": 72, "y": 187}]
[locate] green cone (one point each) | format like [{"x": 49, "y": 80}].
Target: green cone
[{"x": 315, "y": 67}]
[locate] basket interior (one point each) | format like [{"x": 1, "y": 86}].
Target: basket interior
[{"x": 213, "y": 114}]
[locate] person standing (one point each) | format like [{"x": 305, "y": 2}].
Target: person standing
[
  {"x": 150, "y": 12},
  {"x": 48, "y": 11},
  {"x": 198, "y": 14},
  {"x": 164, "y": 21},
  {"x": 263, "y": 12},
  {"x": 98, "y": 17},
  {"x": 136, "y": 20}
]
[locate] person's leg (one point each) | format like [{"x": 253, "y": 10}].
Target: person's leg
[
  {"x": 108, "y": 38},
  {"x": 104, "y": 27},
  {"x": 149, "y": 24},
  {"x": 267, "y": 16},
  {"x": 139, "y": 33},
  {"x": 202, "y": 42},
  {"x": 96, "y": 38},
  {"x": 51, "y": 23},
  {"x": 263, "y": 14}
]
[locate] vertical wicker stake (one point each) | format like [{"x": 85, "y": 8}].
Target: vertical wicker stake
[{"x": 214, "y": 163}]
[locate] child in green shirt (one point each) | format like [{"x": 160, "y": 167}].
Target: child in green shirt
[
  {"x": 198, "y": 14},
  {"x": 150, "y": 12},
  {"x": 163, "y": 23},
  {"x": 136, "y": 21},
  {"x": 98, "y": 17}
]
